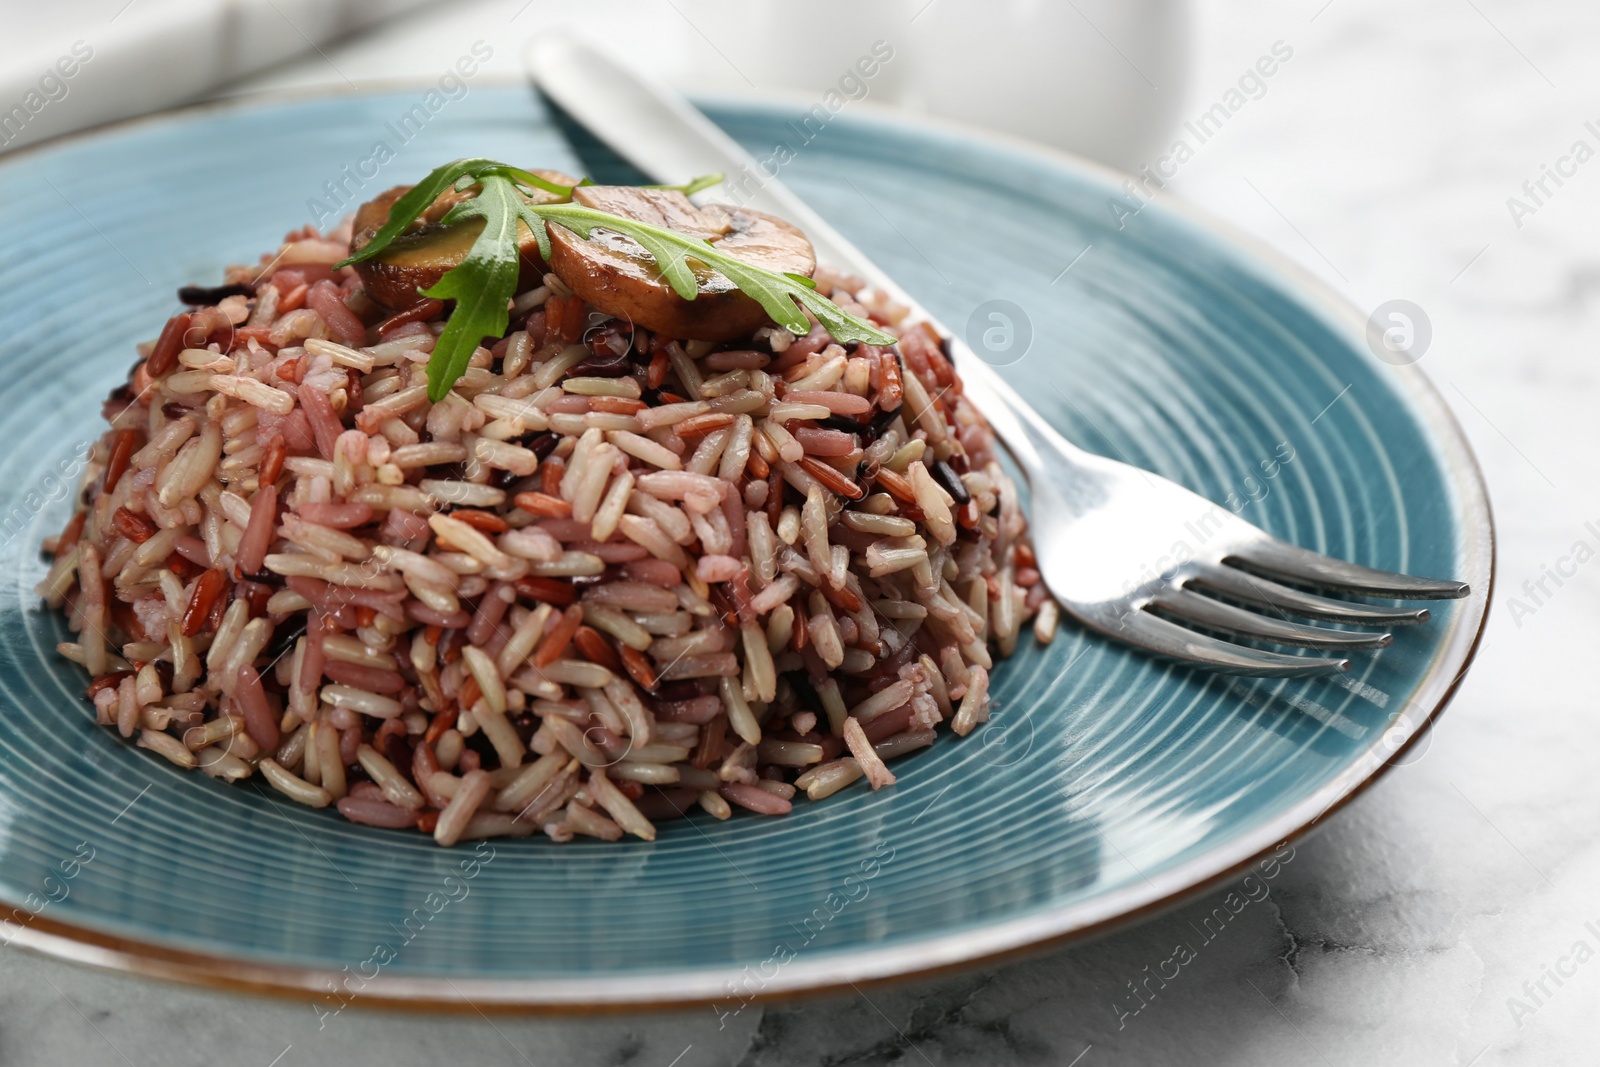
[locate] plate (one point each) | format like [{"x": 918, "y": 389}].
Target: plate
[{"x": 1107, "y": 785}]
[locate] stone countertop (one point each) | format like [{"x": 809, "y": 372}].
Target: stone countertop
[{"x": 1441, "y": 919}]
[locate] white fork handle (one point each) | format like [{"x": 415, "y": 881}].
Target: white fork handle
[{"x": 656, "y": 130}]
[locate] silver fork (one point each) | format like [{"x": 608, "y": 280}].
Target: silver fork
[
  {"x": 1126, "y": 521},
  {"x": 1100, "y": 527}
]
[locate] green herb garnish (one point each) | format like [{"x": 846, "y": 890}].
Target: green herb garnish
[
  {"x": 483, "y": 283},
  {"x": 688, "y": 188}
]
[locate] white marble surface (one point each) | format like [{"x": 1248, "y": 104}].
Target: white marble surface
[{"x": 1381, "y": 157}]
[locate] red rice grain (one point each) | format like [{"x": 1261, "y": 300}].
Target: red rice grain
[
  {"x": 372, "y": 812},
  {"x": 251, "y": 698},
  {"x": 753, "y": 798},
  {"x": 123, "y": 443},
  {"x": 164, "y": 355}
]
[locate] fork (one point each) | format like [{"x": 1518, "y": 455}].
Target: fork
[{"x": 1100, "y": 527}]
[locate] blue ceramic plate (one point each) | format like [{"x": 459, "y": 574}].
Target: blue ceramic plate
[{"x": 1107, "y": 785}]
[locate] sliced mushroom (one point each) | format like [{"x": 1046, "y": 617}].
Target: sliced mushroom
[
  {"x": 617, "y": 276},
  {"x": 420, "y": 257}
]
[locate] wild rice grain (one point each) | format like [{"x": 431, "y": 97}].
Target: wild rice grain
[
  {"x": 487, "y": 675},
  {"x": 714, "y": 804},
  {"x": 367, "y": 703},
  {"x": 395, "y": 787},
  {"x": 295, "y": 788},
  {"x": 974, "y": 704},
  {"x": 501, "y": 734},
  {"x": 167, "y": 746},
  {"x": 474, "y": 789},
  {"x": 259, "y": 722},
  {"x": 531, "y": 782},
  {"x": 373, "y": 812},
  {"x": 753, "y": 798},
  {"x": 609, "y": 797},
  {"x": 218, "y": 763},
  {"x": 878, "y": 775},
  {"x": 1044, "y": 624},
  {"x": 325, "y": 740}
]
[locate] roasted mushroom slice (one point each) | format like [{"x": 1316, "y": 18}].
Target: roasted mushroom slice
[
  {"x": 617, "y": 276},
  {"x": 421, "y": 256}
]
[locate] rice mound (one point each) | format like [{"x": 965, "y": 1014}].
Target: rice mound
[{"x": 612, "y": 576}]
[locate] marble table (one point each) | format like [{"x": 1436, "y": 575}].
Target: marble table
[{"x": 1449, "y": 916}]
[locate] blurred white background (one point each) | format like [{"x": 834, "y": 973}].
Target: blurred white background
[
  {"x": 1386, "y": 155},
  {"x": 113, "y": 59},
  {"x": 1103, "y": 77}
]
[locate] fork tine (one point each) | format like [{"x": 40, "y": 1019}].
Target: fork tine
[
  {"x": 1254, "y": 589},
  {"x": 1279, "y": 559},
  {"x": 1215, "y": 615},
  {"x": 1166, "y": 638}
]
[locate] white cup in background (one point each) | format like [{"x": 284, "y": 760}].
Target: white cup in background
[
  {"x": 767, "y": 45},
  {"x": 1104, "y": 78}
]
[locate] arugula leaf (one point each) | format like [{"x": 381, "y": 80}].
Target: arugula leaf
[
  {"x": 533, "y": 181},
  {"x": 482, "y": 284},
  {"x": 409, "y": 207},
  {"x": 692, "y": 186},
  {"x": 778, "y": 294}
]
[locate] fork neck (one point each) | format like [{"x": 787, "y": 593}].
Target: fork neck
[{"x": 1037, "y": 446}]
